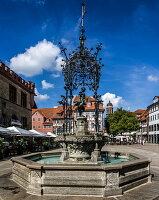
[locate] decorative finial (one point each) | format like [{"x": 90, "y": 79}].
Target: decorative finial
[
  {"x": 82, "y": 37},
  {"x": 83, "y": 12}
]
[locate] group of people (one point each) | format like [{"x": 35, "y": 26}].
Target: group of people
[{"x": 141, "y": 141}]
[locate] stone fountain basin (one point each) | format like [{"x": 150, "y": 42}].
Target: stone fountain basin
[{"x": 79, "y": 180}]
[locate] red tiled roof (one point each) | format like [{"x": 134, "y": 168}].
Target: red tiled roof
[
  {"x": 45, "y": 112},
  {"x": 138, "y": 112},
  {"x": 91, "y": 100},
  {"x": 144, "y": 115}
]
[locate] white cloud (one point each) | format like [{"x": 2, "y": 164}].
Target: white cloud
[
  {"x": 46, "y": 85},
  {"x": 43, "y": 56},
  {"x": 153, "y": 78},
  {"x": 115, "y": 100},
  {"x": 55, "y": 75},
  {"x": 40, "y": 97},
  {"x": 64, "y": 41}
]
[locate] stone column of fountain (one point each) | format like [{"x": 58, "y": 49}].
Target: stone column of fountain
[{"x": 82, "y": 147}]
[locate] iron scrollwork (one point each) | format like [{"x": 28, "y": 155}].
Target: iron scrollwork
[{"x": 82, "y": 68}]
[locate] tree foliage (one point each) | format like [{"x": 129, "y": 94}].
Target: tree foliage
[{"x": 121, "y": 121}]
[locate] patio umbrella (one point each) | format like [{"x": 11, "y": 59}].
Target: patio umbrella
[
  {"x": 38, "y": 133},
  {"x": 51, "y": 134},
  {"x": 5, "y": 131},
  {"x": 21, "y": 132}
]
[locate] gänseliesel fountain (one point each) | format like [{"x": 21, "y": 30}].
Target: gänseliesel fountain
[{"x": 81, "y": 169}]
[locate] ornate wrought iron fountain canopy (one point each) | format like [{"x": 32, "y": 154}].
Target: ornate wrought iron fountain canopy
[{"x": 81, "y": 68}]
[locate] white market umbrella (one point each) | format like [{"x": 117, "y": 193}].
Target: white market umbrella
[
  {"x": 21, "y": 131},
  {"x": 38, "y": 133},
  {"x": 5, "y": 131},
  {"x": 51, "y": 134}
]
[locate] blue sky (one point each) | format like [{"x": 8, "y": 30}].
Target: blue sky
[{"x": 129, "y": 29}]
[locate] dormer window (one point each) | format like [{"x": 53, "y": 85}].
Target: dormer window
[
  {"x": 51, "y": 114},
  {"x": 47, "y": 120},
  {"x": 58, "y": 114},
  {"x": 155, "y": 99}
]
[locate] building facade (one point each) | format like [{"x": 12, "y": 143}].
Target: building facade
[
  {"x": 154, "y": 121},
  {"x": 16, "y": 99},
  {"x": 52, "y": 119},
  {"x": 143, "y": 133},
  {"x": 109, "y": 109}
]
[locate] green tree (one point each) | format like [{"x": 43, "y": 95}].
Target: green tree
[{"x": 121, "y": 121}]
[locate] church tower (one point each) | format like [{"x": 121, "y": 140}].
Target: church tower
[{"x": 109, "y": 109}]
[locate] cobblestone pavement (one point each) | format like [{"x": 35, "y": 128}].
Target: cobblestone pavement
[{"x": 11, "y": 191}]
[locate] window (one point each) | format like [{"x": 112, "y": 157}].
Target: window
[
  {"x": 92, "y": 125},
  {"x": 23, "y": 99},
  {"x": 39, "y": 127},
  {"x": 157, "y": 127},
  {"x": 89, "y": 104},
  {"x": 58, "y": 114},
  {"x": 39, "y": 119},
  {"x": 33, "y": 119},
  {"x": 154, "y": 127},
  {"x": 54, "y": 130},
  {"x": 49, "y": 127},
  {"x": 24, "y": 122},
  {"x": 44, "y": 127},
  {"x": 12, "y": 94},
  {"x": 59, "y": 130},
  {"x": 36, "y": 113},
  {"x": 51, "y": 114},
  {"x": 33, "y": 127}
]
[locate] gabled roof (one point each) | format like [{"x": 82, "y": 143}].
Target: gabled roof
[
  {"x": 138, "y": 112},
  {"x": 144, "y": 115},
  {"x": 87, "y": 108},
  {"x": 90, "y": 99},
  {"x": 49, "y": 113}
]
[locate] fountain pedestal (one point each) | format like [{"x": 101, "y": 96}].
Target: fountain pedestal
[{"x": 81, "y": 147}]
